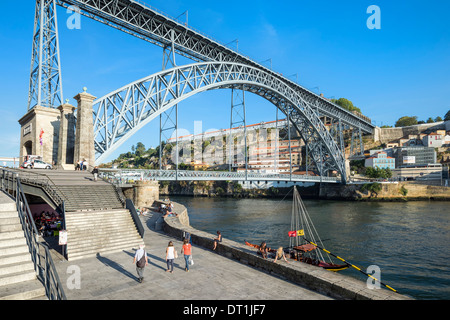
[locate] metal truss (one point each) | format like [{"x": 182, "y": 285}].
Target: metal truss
[
  {"x": 119, "y": 176},
  {"x": 237, "y": 119},
  {"x": 144, "y": 22},
  {"x": 118, "y": 115},
  {"x": 45, "y": 75}
]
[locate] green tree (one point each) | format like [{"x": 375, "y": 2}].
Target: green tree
[
  {"x": 430, "y": 120},
  {"x": 406, "y": 121},
  {"x": 447, "y": 116},
  {"x": 346, "y": 104},
  {"x": 437, "y": 119},
  {"x": 140, "y": 149}
]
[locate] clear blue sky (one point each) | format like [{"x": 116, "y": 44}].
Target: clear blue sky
[{"x": 402, "y": 69}]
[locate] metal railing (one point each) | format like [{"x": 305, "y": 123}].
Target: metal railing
[
  {"x": 40, "y": 254},
  {"x": 122, "y": 176},
  {"x": 42, "y": 181},
  {"x": 130, "y": 206}
]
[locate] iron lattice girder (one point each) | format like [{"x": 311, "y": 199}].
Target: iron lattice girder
[
  {"x": 121, "y": 113},
  {"x": 45, "y": 76},
  {"x": 148, "y": 24},
  {"x": 119, "y": 175}
]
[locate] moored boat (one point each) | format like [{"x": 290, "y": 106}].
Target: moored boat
[{"x": 299, "y": 248}]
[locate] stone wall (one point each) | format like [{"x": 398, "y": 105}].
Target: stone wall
[
  {"x": 389, "y": 191},
  {"x": 317, "y": 279},
  {"x": 143, "y": 193},
  {"x": 385, "y": 135}
]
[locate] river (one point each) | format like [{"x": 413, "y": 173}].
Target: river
[{"x": 408, "y": 241}]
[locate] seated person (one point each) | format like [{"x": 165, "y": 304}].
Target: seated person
[
  {"x": 263, "y": 250},
  {"x": 217, "y": 240}
]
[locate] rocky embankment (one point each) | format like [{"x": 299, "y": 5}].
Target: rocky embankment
[{"x": 402, "y": 191}]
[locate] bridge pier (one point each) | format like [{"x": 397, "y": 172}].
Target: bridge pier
[
  {"x": 66, "y": 143},
  {"x": 143, "y": 193},
  {"x": 84, "y": 137},
  {"x": 32, "y": 142}
]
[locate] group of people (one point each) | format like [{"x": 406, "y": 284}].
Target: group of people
[
  {"x": 167, "y": 210},
  {"x": 263, "y": 250},
  {"x": 47, "y": 223},
  {"x": 141, "y": 258},
  {"x": 81, "y": 165}
]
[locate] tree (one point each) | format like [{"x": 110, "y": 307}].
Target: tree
[
  {"x": 406, "y": 121},
  {"x": 140, "y": 149},
  {"x": 438, "y": 119},
  {"x": 346, "y": 104},
  {"x": 447, "y": 116},
  {"x": 430, "y": 120}
]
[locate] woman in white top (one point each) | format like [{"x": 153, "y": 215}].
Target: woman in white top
[{"x": 170, "y": 256}]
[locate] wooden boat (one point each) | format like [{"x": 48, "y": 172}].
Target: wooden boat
[
  {"x": 293, "y": 254},
  {"x": 299, "y": 249}
]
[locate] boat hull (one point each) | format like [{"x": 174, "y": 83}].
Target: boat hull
[{"x": 328, "y": 266}]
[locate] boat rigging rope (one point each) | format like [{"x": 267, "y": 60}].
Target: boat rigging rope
[{"x": 352, "y": 265}]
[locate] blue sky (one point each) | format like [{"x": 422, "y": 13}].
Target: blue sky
[{"x": 401, "y": 69}]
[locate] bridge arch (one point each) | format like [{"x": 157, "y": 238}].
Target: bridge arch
[{"x": 121, "y": 113}]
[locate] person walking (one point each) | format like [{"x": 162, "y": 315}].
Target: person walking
[
  {"x": 95, "y": 173},
  {"x": 171, "y": 254},
  {"x": 85, "y": 165},
  {"x": 187, "y": 251},
  {"x": 141, "y": 260}
]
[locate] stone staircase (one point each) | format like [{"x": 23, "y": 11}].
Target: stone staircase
[
  {"x": 18, "y": 279},
  {"x": 103, "y": 231},
  {"x": 90, "y": 197},
  {"x": 95, "y": 218}
]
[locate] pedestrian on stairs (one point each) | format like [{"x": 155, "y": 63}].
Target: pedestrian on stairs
[
  {"x": 141, "y": 260},
  {"x": 95, "y": 173}
]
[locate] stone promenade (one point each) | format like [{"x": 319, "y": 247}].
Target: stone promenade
[{"x": 212, "y": 277}]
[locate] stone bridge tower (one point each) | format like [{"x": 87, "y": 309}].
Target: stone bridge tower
[{"x": 61, "y": 136}]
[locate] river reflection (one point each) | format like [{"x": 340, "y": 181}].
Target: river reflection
[{"x": 409, "y": 241}]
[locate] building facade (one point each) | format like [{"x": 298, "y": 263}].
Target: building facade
[
  {"x": 407, "y": 156},
  {"x": 433, "y": 140},
  {"x": 380, "y": 160}
]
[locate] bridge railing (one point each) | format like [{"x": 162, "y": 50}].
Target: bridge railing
[
  {"x": 123, "y": 176},
  {"x": 40, "y": 254},
  {"x": 42, "y": 181}
]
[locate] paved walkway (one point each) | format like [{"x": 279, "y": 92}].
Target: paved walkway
[{"x": 212, "y": 277}]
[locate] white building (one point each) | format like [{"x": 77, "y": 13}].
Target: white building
[{"x": 433, "y": 140}]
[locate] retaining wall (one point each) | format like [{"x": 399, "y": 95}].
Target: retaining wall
[{"x": 317, "y": 279}]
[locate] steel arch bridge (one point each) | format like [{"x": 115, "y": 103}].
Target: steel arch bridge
[{"x": 120, "y": 114}]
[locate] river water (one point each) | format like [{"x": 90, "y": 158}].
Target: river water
[{"x": 408, "y": 241}]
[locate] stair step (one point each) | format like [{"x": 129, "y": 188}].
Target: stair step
[
  {"x": 9, "y": 206},
  {"x": 16, "y": 278},
  {"x": 14, "y": 250},
  {"x": 27, "y": 290},
  {"x": 15, "y": 258},
  {"x": 91, "y": 253},
  {"x": 11, "y": 235},
  {"x": 9, "y": 214},
  {"x": 89, "y": 233},
  {"x": 16, "y": 267},
  {"x": 10, "y": 227},
  {"x": 6, "y": 243},
  {"x": 102, "y": 244},
  {"x": 95, "y": 225},
  {"x": 10, "y": 220}
]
